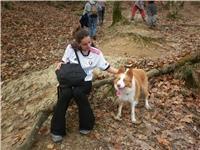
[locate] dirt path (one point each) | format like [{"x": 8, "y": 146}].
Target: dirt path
[{"x": 132, "y": 41}]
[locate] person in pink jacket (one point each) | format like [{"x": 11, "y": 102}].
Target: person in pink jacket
[{"x": 138, "y": 5}]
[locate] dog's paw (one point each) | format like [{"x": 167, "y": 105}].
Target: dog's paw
[
  {"x": 148, "y": 107},
  {"x": 117, "y": 118},
  {"x": 134, "y": 120}
]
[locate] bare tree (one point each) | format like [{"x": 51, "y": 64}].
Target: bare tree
[
  {"x": 117, "y": 15},
  {"x": 174, "y": 7}
]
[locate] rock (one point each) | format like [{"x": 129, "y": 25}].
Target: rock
[
  {"x": 20, "y": 112},
  {"x": 4, "y": 65},
  {"x": 17, "y": 99},
  {"x": 62, "y": 146},
  {"x": 50, "y": 146},
  {"x": 10, "y": 129},
  {"x": 26, "y": 65}
]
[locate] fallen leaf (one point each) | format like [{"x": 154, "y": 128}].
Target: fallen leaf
[
  {"x": 43, "y": 131},
  {"x": 163, "y": 141},
  {"x": 117, "y": 146},
  {"x": 187, "y": 118}
]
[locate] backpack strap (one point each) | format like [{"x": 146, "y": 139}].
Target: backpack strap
[{"x": 77, "y": 57}]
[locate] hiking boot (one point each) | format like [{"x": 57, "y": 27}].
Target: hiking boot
[
  {"x": 56, "y": 138},
  {"x": 132, "y": 19},
  {"x": 85, "y": 132}
]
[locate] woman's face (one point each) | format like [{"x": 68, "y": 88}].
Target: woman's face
[{"x": 85, "y": 43}]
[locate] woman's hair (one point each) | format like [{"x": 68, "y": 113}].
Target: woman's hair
[{"x": 78, "y": 34}]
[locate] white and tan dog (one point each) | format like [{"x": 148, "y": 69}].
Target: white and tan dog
[{"x": 128, "y": 84}]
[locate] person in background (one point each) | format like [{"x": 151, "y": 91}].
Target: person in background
[
  {"x": 90, "y": 58},
  {"x": 138, "y": 5},
  {"x": 91, "y": 9},
  {"x": 151, "y": 13},
  {"x": 84, "y": 21},
  {"x": 101, "y": 11}
]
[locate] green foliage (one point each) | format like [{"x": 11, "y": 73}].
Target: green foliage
[
  {"x": 7, "y": 5},
  {"x": 172, "y": 15},
  {"x": 186, "y": 73},
  {"x": 174, "y": 8}
]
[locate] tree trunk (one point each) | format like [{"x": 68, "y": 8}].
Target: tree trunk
[
  {"x": 117, "y": 15},
  {"x": 174, "y": 8},
  {"x": 170, "y": 68},
  {"x": 41, "y": 118},
  {"x": 7, "y": 5}
]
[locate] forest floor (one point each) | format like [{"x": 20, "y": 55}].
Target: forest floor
[{"x": 34, "y": 36}]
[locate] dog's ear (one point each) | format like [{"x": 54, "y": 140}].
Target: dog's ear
[
  {"x": 121, "y": 70},
  {"x": 130, "y": 72}
]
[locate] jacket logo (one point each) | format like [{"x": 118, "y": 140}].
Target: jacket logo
[{"x": 90, "y": 62}]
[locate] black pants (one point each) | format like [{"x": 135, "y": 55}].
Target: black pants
[
  {"x": 103, "y": 12},
  {"x": 86, "y": 116}
]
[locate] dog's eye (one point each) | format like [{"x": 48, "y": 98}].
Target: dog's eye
[
  {"x": 117, "y": 79},
  {"x": 126, "y": 80}
]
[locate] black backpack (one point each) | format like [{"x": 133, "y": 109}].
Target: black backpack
[
  {"x": 84, "y": 21},
  {"x": 71, "y": 74}
]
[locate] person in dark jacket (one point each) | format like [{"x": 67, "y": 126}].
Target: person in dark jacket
[{"x": 151, "y": 13}]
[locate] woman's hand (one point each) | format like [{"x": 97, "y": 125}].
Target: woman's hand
[
  {"x": 59, "y": 65},
  {"x": 112, "y": 70}
]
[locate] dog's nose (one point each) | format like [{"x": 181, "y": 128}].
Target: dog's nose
[{"x": 118, "y": 85}]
